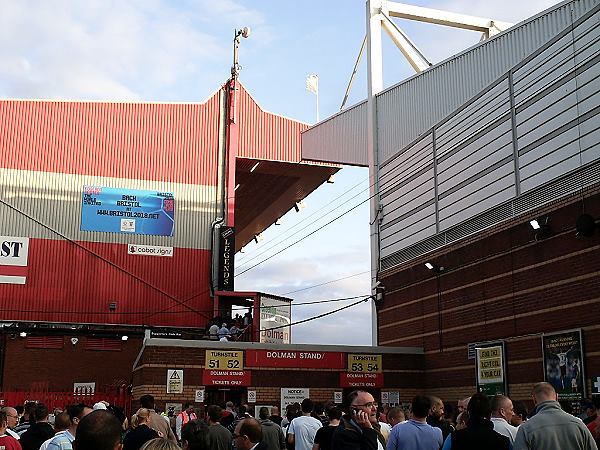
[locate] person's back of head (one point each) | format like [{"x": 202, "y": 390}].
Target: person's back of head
[
  {"x": 98, "y": 430},
  {"x": 40, "y": 413},
  {"x": 3, "y": 419},
  {"x": 29, "y": 411},
  {"x": 543, "y": 392},
  {"x": 75, "y": 412},
  {"x": 395, "y": 415},
  {"x": 160, "y": 443},
  {"x": 62, "y": 422},
  {"x": 421, "y": 405},
  {"x": 479, "y": 407},
  {"x": 251, "y": 427},
  {"x": 307, "y": 406},
  {"x": 499, "y": 402},
  {"x": 263, "y": 413},
  {"x": 215, "y": 413},
  {"x": 334, "y": 413},
  {"x": 194, "y": 435},
  {"x": 319, "y": 408},
  {"x": 147, "y": 401}
]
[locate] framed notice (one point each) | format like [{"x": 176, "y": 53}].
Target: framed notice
[
  {"x": 174, "y": 381},
  {"x": 224, "y": 359},
  {"x": 491, "y": 368},
  {"x": 127, "y": 211},
  {"x": 563, "y": 364}
]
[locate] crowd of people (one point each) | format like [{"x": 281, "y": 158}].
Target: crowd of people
[
  {"x": 477, "y": 422},
  {"x": 229, "y": 328}
]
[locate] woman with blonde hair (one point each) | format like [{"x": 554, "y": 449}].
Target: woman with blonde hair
[
  {"x": 160, "y": 444},
  {"x": 141, "y": 432}
]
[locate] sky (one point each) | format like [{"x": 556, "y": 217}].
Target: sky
[{"x": 181, "y": 51}]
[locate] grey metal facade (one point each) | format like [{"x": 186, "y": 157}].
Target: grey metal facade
[{"x": 529, "y": 136}]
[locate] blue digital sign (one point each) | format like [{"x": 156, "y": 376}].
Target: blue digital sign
[{"x": 127, "y": 211}]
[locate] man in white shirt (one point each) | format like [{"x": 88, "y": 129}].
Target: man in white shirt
[
  {"x": 302, "y": 430},
  {"x": 502, "y": 412}
]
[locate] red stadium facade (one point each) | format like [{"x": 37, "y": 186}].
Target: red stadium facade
[{"x": 76, "y": 277}]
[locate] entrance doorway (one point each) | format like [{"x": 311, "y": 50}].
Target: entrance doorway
[{"x": 224, "y": 395}]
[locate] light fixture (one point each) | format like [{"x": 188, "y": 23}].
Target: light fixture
[
  {"x": 258, "y": 237},
  {"x": 541, "y": 228},
  {"x": 299, "y": 205},
  {"x": 278, "y": 221},
  {"x": 429, "y": 265},
  {"x": 331, "y": 179},
  {"x": 242, "y": 249},
  {"x": 254, "y": 167},
  {"x": 534, "y": 224},
  {"x": 236, "y": 187},
  {"x": 124, "y": 337},
  {"x": 23, "y": 334}
]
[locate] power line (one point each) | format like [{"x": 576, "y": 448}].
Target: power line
[
  {"x": 318, "y": 316},
  {"x": 308, "y": 235},
  {"x": 278, "y": 240},
  {"x": 327, "y": 282}
]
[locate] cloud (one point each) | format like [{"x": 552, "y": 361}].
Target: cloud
[{"x": 115, "y": 50}]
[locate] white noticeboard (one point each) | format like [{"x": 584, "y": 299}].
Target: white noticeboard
[
  {"x": 293, "y": 395},
  {"x": 385, "y": 398},
  {"x": 199, "y": 398},
  {"x": 251, "y": 396},
  {"x": 174, "y": 381},
  {"x": 394, "y": 398},
  {"x": 338, "y": 397}
]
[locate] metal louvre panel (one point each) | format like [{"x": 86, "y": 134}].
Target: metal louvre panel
[
  {"x": 557, "y": 130},
  {"x": 340, "y": 139},
  {"x": 48, "y": 205},
  {"x": 430, "y": 96},
  {"x": 156, "y": 141}
]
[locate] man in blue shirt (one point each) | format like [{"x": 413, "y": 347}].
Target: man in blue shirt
[{"x": 416, "y": 434}]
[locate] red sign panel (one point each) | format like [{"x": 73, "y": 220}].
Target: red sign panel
[
  {"x": 358, "y": 379},
  {"x": 295, "y": 359},
  {"x": 226, "y": 377}
]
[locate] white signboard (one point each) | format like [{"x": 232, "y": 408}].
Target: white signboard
[
  {"x": 275, "y": 319},
  {"x": 149, "y": 250},
  {"x": 84, "y": 388},
  {"x": 13, "y": 259},
  {"x": 394, "y": 398},
  {"x": 338, "y": 397},
  {"x": 251, "y": 396},
  {"x": 174, "y": 381},
  {"x": 293, "y": 395},
  {"x": 385, "y": 398},
  {"x": 199, "y": 398}
]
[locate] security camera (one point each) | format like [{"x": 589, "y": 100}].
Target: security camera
[
  {"x": 376, "y": 285},
  {"x": 246, "y": 32},
  {"x": 74, "y": 340}
]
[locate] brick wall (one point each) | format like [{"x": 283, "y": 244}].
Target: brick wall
[
  {"x": 58, "y": 369},
  {"x": 499, "y": 284}
]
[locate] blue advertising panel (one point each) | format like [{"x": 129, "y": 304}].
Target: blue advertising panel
[{"x": 127, "y": 211}]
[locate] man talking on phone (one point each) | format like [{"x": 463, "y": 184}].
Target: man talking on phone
[{"x": 359, "y": 429}]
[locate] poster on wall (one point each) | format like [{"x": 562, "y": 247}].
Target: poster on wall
[
  {"x": 491, "y": 369},
  {"x": 174, "y": 381},
  {"x": 293, "y": 395},
  {"x": 563, "y": 364},
  {"x": 275, "y": 319},
  {"x": 127, "y": 211}
]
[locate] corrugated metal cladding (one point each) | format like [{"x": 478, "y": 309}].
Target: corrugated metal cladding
[
  {"x": 488, "y": 153},
  {"x": 48, "y": 205},
  {"x": 266, "y": 136},
  {"x": 339, "y": 139},
  {"x": 70, "y": 281},
  {"x": 407, "y": 110},
  {"x": 49, "y": 150},
  {"x": 146, "y": 141}
]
